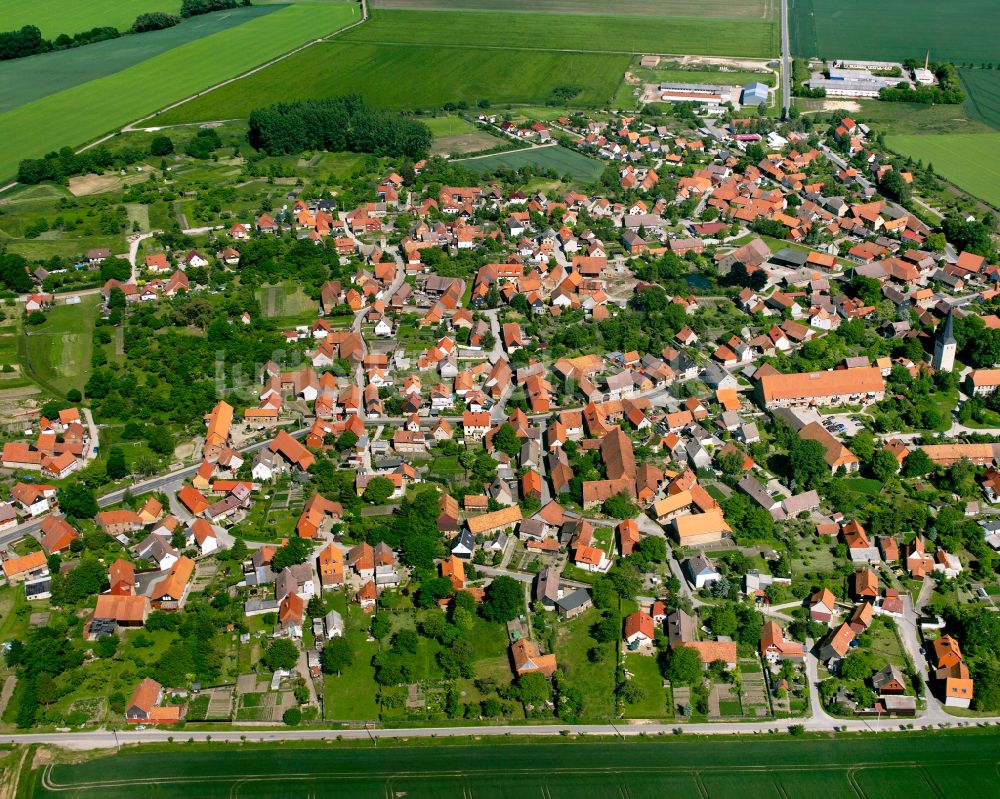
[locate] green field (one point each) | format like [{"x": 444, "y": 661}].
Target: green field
[
  {"x": 24, "y": 80},
  {"x": 614, "y": 34},
  {"x": 944, "y": 766},
  {"x": 57, "y": 16},
  {"x": 563, "y": 161},
  {"x": 983, "y": 89},
  {"x": 405, "y": 77},
  {"x": 970, "y": 161},
  {"x": 56, "y": 354},
  {"x": 893, "y": 30},
  {"x": 738, "y": 9},
  {"x": 98, "y": 106}
]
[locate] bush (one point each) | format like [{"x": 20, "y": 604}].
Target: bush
[{"x": 154, "y": 21}]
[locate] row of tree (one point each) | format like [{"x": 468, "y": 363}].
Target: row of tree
[{"x": 336, "y": 124}]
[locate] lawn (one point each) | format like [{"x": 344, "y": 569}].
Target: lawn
[
  {"x": 861, "y": 29},
  {"x": 56, "y": 354},
  {"x": 353, "y": 695},
  {"x": 646, "y": 672},
  {"x": 408, "y": 76},
  {"x": 87, "y": 111},
  {"x": 563, "y": 161},
  {"x": 957, "y": 766},
  {"x": 449, "y": 125},
  {"x": 446, "y": 464},
  {"x": 726, "y": 9},
  {"x": 23, "y": 80},
  {"x": 970, "y": 161},
  {"x": 596, "y": 681},
  {"x": 862, "y": 485},
  {"x": 286, "y": 301},
  {"x": 983, "y": 88}
]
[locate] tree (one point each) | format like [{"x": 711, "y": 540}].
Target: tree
[
  {"x": 77, "y": 501},
  {"x": 631, "y": 692},
  {"x": 292, "y": 716},
  {"x": 506, "y": 440},
  {"x": 378, "y": 490},
  {"x": 857, "y": 665},
  {"x": 504, "y": 600},
  {"x": 683, "y": 666},
  {"x": 280, "y": 654},
  {"x": 917, "y": 464},
  {"x": 607, "y": 629},
  {"x": 116, "y": 466},
  {"x": 626, "y": 579},
  {"x": 885, "y": 465},
  {"x": 381, "y": 627},
  {"x": 161, "y": 146},
  {"x": 336, "y": 656},
  {"x": 807, "y": 463},
  {"x": 619, "y": 507},
  {"x": 863, "y": 445},
  {"x": 730, "y": 463},
  {"x": 316, "y": 607},
  {"x": 894, "y": 187},
  {"x": 603, "y": 593},
  {"x": 297, "y": 550},
  {"x": 533, "y": 688}
]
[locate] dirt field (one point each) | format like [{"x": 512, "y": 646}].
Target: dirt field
[
  {"x": 466, "y": 143},
  {"x": 83, "y": 185}
]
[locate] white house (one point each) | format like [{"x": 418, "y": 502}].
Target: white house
[{"x": 700, "y": 571}]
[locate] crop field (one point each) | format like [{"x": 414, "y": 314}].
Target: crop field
[
  {"x": 893, "y": 30},
  {"x": 723, "y": 9},
  {"x": 23, "y": 80},
  {"x": 57, "y": 16},
  {"x": 405, "y": 77},
  {"x": 584, "y": 33},
  {"x": 87, "y": 111},
  {"x": 563, "y": 161},
  {"x": 983, "y": 89},
  {"x": 971, "y": 161},
  {"x": 889, "y": 767}
]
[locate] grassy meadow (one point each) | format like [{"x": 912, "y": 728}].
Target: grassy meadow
[
  {"x": 893, "y": 30},
  {"x": 405, "y": 77},
  {"x": 946, "y": 766},
  {"x": 87, "y": 111},
  {"x": 563, "y": 161},
  {"x": 970, "y": 161},
  {"x": 24, "y": 80},
  {"x": 56, "y": 354}
]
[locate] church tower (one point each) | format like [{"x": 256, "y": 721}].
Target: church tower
[{"x": 945, "y": 346}]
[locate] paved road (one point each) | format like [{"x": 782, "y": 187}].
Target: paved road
[
  {"x": 162, "y": 482},
  {"x": 104, "y": 739}
]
